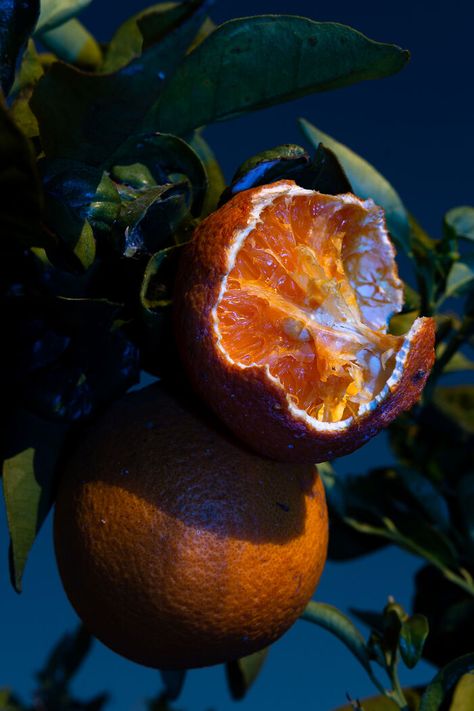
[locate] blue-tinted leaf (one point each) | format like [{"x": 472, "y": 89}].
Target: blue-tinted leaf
[
  {"x": 334, "y": 621},
  {"x": 460, "y": 222},
  {"x": 56, "y": 12},
  {"x": 72, "y": 43},
  {"x": 17, "y": 20},
  {"x": 78, "y": 112},
  {"x": 413, "y": 634},
  {"x": 367, "y": 182},
  {"x": 147, "y": 27},
  {"x": 300, "y": 56},
  {"x": 173, "y": 681},
  {"x": 241, "y": 673},
  {"x": 460, "y": 277},
  {"x": 33, "y": 448},
  {"x": 444, "y": 682}
]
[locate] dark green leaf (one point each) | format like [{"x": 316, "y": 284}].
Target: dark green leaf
[
  {"x": 427, "y": 496},
  {"x": 383, "y": 703},
  {"x": 460, "y": 222},
  {"x": 28, "y": 75},
  {"x": 56, "y": 12},
  {"x": 33, "y": 447},
  {"x": 9, "y": 702},
  {"x": 366, "y": 182},
  {"x": 241, "y": 673},
  {"x": 215, "y": 178},
  {"x": 460, "y": 277},
  {"x": 74, "y": 232},
  {"x": 72, "y": 43},
  {"x": 269, "y": 166},
  {"x": 18, "y": 176},
  {"x": 465, "y": 499},
  {"x": 326, "y": 174},
  {"x": 166, "y": 156},
  {"x": 149, "y": 222},
  {"x": 334, "y": 621},
  {"x": 457, "y": 363},
  {"x": 17, "y": 20},
  {"x": 173, "y": 681},
  {"x": 456, "y": 402},
  {"x": 299, "y": 56},
  {"x": 88, "y": 191},
  {"x": 78, "y": 113},
  {"x": 413, "y": 634},
  {"x": 444, "y": 682},
  {"x": 141, "y": 30}
]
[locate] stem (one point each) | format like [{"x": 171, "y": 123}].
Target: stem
[{"x": 454, "y": 344}]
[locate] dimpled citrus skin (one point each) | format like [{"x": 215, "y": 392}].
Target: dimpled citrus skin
[
  {"x": 178, "y": 547},
  {"x": 251, "y": 404}
]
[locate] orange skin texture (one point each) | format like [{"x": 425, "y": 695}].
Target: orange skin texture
[
  {"x": 178, "y": 547},
  {"x": 251, "y": 405}
]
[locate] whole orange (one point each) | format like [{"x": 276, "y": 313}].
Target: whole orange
[
  {"x": 282, "y": 308},
  {"x": 179, "y": 548}
]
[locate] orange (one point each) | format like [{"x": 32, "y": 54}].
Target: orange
[
  {"x": 282, "y": 305},
  {"x": 178, "y": 547}
]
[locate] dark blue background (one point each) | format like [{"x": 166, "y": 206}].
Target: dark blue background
[{"x": 416, "y": 128}]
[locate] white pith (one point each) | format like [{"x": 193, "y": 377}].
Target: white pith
[{"x": 263, "y": 199}]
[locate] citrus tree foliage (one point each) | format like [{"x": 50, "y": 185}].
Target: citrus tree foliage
[{"x": 87, "y": 266}]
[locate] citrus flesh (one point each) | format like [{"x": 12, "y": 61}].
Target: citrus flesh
[
  {"x": 295, "y": 289},
  {"x": 178, "y": 547}
]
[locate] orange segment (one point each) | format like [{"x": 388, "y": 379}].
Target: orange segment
[{"x": 308, "y": 296}]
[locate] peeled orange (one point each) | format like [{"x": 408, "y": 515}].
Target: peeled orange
[
  {"x": 282, "y": 306},
  {"x": 178, "y": 547}
]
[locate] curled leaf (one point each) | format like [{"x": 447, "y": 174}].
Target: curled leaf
[
  {"x": 242, "y": 673},
  {"x": 413, "y": 634}
]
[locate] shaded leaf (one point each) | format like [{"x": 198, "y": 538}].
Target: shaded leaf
[
  {"x": 215, "y": 178},
  {"x": 173, "y": 681},
  {"x": 460, "y": 277},
  {"x": 77, "y": 112},
  {"x": 269, "y": 166},
  {"x": 444, "y": 682},
  {"x": 72, "y": 43},
  {"x": 460, "y": 222},
  {"x": 65, "y": 659},
  {"x": 241, "y": 673},
  {"x": 457, "y": 363},
  {"x": 465, "y": 500},
  {"x": 456, "y": 402},
  {"x": 300, "y": 56},
  {"x": 56, "y": 12},
  {"x": 427, "y": 496},
  {"x": 9, "y": 702},
  {"x": 166, "y": 156},
  {"x": 147, "y": 27},
  {"x": 74, "y": 232},
  {"x": 413, "y": 634},
  {"x": 33, "y": 447},
  {"x": 28, "y": 75},
  {"x": 17, "y": 20},
  {"x": 383, "y": 703},
  {"x": 18, "y": 176},
  {"x": 366, "y": 182},
  {"x": 334, "y": 621}
]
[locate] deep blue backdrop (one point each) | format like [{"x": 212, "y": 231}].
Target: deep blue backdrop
[{"x": 417, "y": 129}]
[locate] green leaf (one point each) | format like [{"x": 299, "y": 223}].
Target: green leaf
[
  {"x": 241, "y": 673},
  {"x": 78, "y": 112},
  {"x": 72, "y": 43},
  {"x": 29, "y": 73},
  {"x": 427, "y": 496},
  {"x": 269, "y": 166},
  {"x": 173, "y": 681},
  {"x": 168, "y": 158},
  {"x": 215, "y": 178},
  {"x": 456, "y": 402},
  {"x": 413, "y": 634},
  {"x": 460, "y": 277},
  {"x": 463, "y": 698},
  {"x": 33, "y": 447},
  {"x": 142, "y": 30},
  {"x": 334, "y": 621},
  {"x": 366, "y": 182},
  {"x": 72, "y": 231},
  {"x": 460, "y": 222},
  {"x": 444, "y": 682},
  {"x": 18, "y": 177},
  {"x": 299, "y": 56},
  {"x": 383, "y": 703},
  {"x": 17, "y": 20},
  {"x": 57, "y": 12}
]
